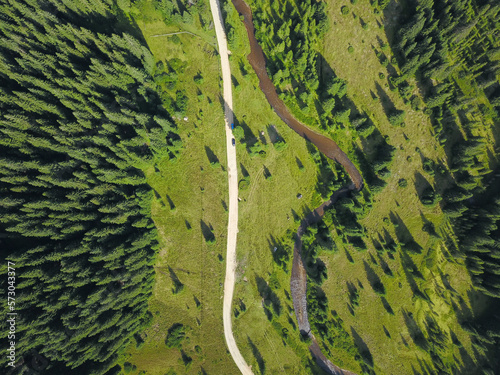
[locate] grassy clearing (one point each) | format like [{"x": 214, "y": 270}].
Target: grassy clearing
[
  {"x": 190, "y": 206},
  {"x": 444, "y": 280},
  {"x": 275, "y": 179},
  {"x": 265, "y": 217}
]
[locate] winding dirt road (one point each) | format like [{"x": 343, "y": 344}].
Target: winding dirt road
[{"x": 232, "y": 171}]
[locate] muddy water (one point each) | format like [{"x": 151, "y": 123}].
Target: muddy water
[
  {"x": 258, "y": 62},
  {"x": 330, "y": 149}
]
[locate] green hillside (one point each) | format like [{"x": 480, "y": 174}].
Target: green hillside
[{"x": 114, "y": 193}]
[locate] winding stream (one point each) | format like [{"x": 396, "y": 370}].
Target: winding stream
[{"x": 330, "y": 149}]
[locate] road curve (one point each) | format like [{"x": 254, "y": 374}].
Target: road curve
[{"x": 232, "y": 171}]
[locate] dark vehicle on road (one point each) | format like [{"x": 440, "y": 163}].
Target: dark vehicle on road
[{"x": 233, "y": 141}]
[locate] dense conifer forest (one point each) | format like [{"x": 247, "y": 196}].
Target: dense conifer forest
[
  {"x": 452, "y": 49},
  {"x": 446, "y": 53},
  {"x": 81, "y": 121}
]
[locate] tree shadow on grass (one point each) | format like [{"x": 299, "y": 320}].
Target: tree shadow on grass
[
  {"x": 207, "y": 232},
  {"x": 385, "y": 267},
  {"x": 466, "y": 358},
  {"x": 387, "y": 306},
  {"x": 403, "y": 235},
  {"x": 386, "y": 331},
  {"x": 414, "y": 330},
  {"x": 387, "y": 104},
  {"x": 372, "y": 259},
  {"x": 364, "y": 351},
  {"x": 256, "y": 353},
  {"x": 410, "y": 266},
  {"x": 262, "y": 138},
  {"x": 462, "y": 311},
  {"x": 299, "y": 163},
  {"x": 374, "y": 280},
  {"x": 348, "y": 256},
  {"x": 267, "y": 173},
  {"x": 415, "y": 372},
  {"x": 428, "y": 226},
  {"x": 250, "y": 138},
  {"x": 212, "y": 158},
  {"x": 296, "y": 216},
  {"x": 269, "y": 297},
  {"x": 421, "y": 184},
  {"x": 177, "y": 285},
  {"x": 244, "y": 171},
  {"x": 170, "y": 203},
  {"x": 436, "y": 336},
  {"x": 274, "y": 135},
  {"x": 425, "y": 367},
  {"x": 280, "y": 252}
]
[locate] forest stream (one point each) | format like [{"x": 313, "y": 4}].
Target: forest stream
[{"x": 330, "y": 149}]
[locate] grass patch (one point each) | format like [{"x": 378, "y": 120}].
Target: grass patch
[
  {"x": 399, "y": 288},
  {"x": 188, "y": 260}
]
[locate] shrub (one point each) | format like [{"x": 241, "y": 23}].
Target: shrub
[
  {"x": 274, "y": 282},
  {"x": 365, "y": 26},
  {"x": 178, "y": 286},
  {"x": 429, "y": 197},
  {"x": 365, "y": 129},
  {"x": 416, "y": 103},
  {"x": 175, "y": 39},
  {"x": 350, "y": 49},
  {"x": 344, "y": 10},
  {"x": 397, "y": 117},
  {"x": 187, "y": 360},
  {"x": 280, "y": 145},
  {"x": 354, "y": 2},
  {"x": 428, "y": 166},
  {"x": 381, "y": 75},
  {"x": 139, "y": 342},
  {"x": 244, "y": 183},
  {"x": 129, "y": 367},
  {"x": 384, "y": 173},
  {"x": 198, "y": 79},
  {"x": 176, "y": 334},
  {"x": 402, "y": 183}
]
